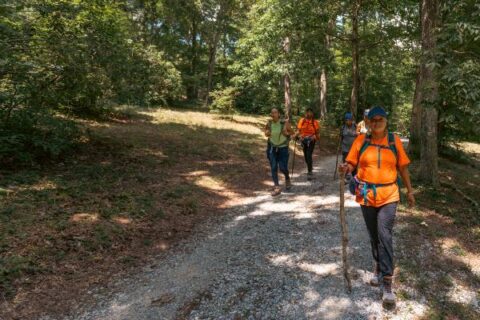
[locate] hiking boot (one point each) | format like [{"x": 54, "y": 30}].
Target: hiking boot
[
  {"x": 276, "y": 191},
  {"x": 288, "y": 184},
  {"x": 388, "y": 297},
  {"x": 309, "y": 175},
  {"x": 375, "y": 280}
]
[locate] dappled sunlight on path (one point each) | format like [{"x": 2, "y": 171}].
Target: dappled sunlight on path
[{"x": 269, "y": 258}]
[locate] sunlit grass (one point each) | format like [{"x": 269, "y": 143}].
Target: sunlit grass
[{"x": 240, "y": 123}]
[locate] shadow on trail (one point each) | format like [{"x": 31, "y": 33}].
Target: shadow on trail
[
  {"x": 271, "y": 258},
  {"x": 132, "y": 191}
]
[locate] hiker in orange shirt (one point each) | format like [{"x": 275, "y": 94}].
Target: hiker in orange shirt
[
  {"x": 379, "y": 157},
  {"x": 309, "y": 133}
]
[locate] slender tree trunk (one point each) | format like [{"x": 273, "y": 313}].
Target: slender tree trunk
[
  {"x": 286, "y": 81},
  {"x": 221, "y": 26},
  {"x": 323, "y": 93},
  {"x": 428, "y": 87},
  {"x": 211, "y": 67},
  {"x": 355, "y": 59},
  {"x": 429, "y": 146},
  {"x": 416, "y": 120},
  {"x": 192, "y": 90},
  {"x": 323, "y": 76}
]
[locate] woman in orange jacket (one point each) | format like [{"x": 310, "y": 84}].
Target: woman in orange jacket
[
  {"x": 379, "y": 158},
  {"x": 308, "y": 129}
]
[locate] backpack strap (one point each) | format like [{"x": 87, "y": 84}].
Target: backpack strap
[
  {"x": 391, "y": 144},
  {"x": 300, "y": 123},
  {"x": 366, "y": 142}
]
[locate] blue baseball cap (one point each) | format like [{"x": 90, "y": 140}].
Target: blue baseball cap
[
  {"x": 377, "y": 111},
  {"x": 348, "y": 116}
]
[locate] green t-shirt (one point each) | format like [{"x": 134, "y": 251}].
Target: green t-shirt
[{"x": 277, "y": 139}]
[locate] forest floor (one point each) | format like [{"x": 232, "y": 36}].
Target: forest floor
[{"x": 159, "y": 194}]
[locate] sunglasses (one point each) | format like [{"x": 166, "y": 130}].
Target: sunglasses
[{"x": 379, "y": 120}]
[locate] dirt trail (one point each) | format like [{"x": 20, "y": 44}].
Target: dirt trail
[{"x": 265, "y": 259}]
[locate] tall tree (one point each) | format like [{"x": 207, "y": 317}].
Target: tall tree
[
  {"x": 286, "y": 80},
  {"x": 323, "y": 75},
  {"x": 427, "y": 94},
  {"x": 355, "y": 57},
  {"x": 217, "y": 15}
]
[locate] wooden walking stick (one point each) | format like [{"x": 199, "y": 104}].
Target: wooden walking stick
[
  {"x": 294, "y": 153},
  {"x": 343, "y": 222},
  {"x": 336, "y": 163}
]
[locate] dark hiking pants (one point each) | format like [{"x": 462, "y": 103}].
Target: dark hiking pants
[
  {"x": 380, "y": 223},
  {"x": 308, "y": 147}
]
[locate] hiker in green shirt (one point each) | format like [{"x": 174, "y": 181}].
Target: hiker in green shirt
[{"x": 278, "y": 133}]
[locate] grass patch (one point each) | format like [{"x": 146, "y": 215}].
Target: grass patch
[
  {"x": 102, "y": 209},
  {"x": 13, "y": 267}
]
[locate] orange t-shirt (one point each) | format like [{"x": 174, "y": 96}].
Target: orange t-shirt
[
  {"x": 308, "y": 127},
  {"x": 369, "y": 171}
]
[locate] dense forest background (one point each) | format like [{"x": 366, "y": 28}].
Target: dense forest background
[
  {"x": 63, "y": 60},
  {"x": 125, "y": 125}
]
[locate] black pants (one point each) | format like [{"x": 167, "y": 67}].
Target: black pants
[
  {"x": 379, "y": 223},
  {"x": 308, "y": 148}
]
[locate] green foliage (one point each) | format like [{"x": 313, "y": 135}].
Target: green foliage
[
  {"x": 459, "y": 68},
  {"x": 260, "y": 62},
  {"x": 12, "y": 267},
  {"x": 71, "y": 58},
  {"x": 223, "y": 100},
  {"x": 79, "y": 58},
  {"x": 29, "y": 137}
]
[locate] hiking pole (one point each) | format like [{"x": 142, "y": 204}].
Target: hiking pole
[
  {"x": 336, "y": 162},
  {"x": 343, "y": 223}
]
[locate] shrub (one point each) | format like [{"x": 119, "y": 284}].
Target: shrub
[
  {"x": 27, "y": 137},
  {"x": 223, "y": 100}
]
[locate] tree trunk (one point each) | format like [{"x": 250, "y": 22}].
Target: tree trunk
[
  {"x": 429, "y": 146},
  {"x": 221, "y": 24},
  {"x": 286, "y": 81},
  {"x": 323, "y": 75},
  {"x": 211, "y": 67},
  {"x": 416, "y": 120},
  {"x": 323, "y": 93},
  {"x": 192, "y": 90},
  {"x": 428, "y": 87},
  {"x": 355, "y": 59}
]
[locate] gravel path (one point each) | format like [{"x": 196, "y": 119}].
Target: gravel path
[{"x": 266, "y": 259}]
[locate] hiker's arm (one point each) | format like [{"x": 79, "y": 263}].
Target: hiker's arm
[
  {"x": 346, "y": 167},
  {"x": 268, "y": 133},
  {"x": 406, "y": 180},
  {"x": 287, "y": 130}
]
